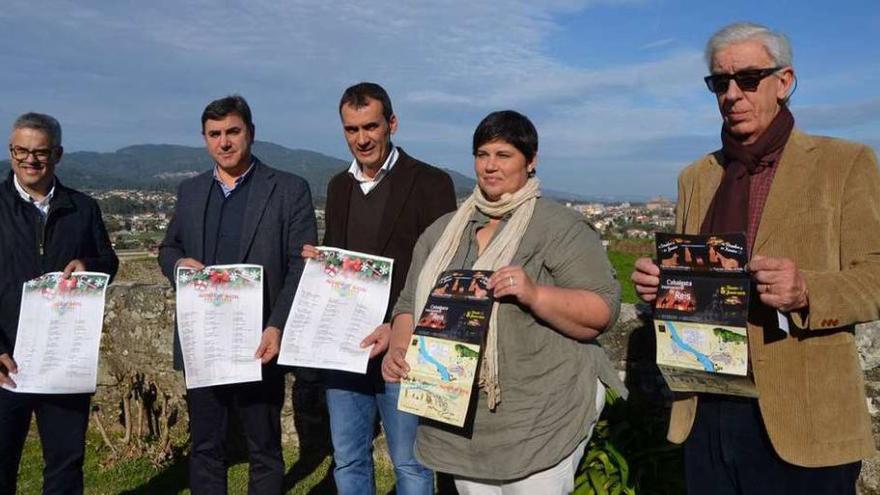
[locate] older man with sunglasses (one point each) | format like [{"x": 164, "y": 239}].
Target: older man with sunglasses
[{"x": 810, "y": 208}]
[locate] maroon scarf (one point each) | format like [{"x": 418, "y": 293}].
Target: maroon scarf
[{"x": 729, "y": 210}]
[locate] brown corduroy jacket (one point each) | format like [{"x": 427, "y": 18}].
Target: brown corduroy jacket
[{"x": 823, "y": 212}]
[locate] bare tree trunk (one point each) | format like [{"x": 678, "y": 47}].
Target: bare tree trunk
[
  {"x": 139, "y": 422},
  {"x": 163, "y": 427},
  {"x": 96, "y": 416},
  {"x": 126, "y": 412}
]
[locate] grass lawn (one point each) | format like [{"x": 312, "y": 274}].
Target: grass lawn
[
  {"x": 623, "y": 264},
  {"x": 139, "y": 476}
]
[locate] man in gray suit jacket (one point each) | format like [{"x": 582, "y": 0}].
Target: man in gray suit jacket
[{"x": 241, "y": 211}]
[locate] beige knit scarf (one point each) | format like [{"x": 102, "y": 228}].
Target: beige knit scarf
[{"x": 497, "y": 254}]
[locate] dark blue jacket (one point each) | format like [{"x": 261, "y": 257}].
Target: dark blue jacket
[
  {"x": 73, "y": 230},
  {"x": 278, "y": 219}
]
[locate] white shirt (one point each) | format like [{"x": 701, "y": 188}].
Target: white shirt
[
  {"x": 367, "y": 184},
  {"x": 42, "y": 205}
]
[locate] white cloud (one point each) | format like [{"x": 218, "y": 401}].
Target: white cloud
[
  {"x": 126, "y": 72},
  {"x": 657, "y": 43},
  {"x": 840, "y": 115}
]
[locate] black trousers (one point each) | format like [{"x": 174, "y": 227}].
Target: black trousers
[
  {"x": 62, "y": 420},
  {"x": 258, "y": 406},
  {"x": 728, "y": 452}
]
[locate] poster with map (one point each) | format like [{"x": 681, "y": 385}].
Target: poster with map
[
  {"x": 445, "y": 350},
  {"x": 700, "y": 314}
]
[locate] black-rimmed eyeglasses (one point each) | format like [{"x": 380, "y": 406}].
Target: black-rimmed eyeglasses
[
  {"x": 21, "y": 153},
  {"x": 746, "y": 80}
]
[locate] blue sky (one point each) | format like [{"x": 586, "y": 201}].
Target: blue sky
[{"x": 613, "y": 86}]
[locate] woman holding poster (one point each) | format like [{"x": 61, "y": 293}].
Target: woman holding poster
[{"x": 541, "y": 373}]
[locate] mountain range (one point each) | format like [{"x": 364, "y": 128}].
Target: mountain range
[{"x": 163, "y": 166}]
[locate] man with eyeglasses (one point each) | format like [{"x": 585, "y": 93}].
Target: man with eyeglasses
[
  {"x": 810, "y": 208},
  {"x": 44, "y": 227}
]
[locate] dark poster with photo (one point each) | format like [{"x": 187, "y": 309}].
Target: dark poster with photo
[
  {"x": 701, "y": 311},
  {"x": 700, "y": 253},
  {"x": 446, "y": 347}
]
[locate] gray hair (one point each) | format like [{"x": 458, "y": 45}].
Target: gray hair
[
  {"x": 46, "y": 124},
  {"x": 776, "y": 44}
]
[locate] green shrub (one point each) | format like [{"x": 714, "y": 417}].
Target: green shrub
[{"x": 628, "y": 453}]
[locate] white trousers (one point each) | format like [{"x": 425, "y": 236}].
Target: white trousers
[{"x": 556, "y": 480}]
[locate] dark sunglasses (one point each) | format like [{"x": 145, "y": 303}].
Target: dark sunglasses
[{"x": 746, "y": 80}]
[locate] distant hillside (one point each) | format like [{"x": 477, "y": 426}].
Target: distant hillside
[{"x": 163, "y": 166}]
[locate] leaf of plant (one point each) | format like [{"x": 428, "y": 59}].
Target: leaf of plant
[{"x": 621, "y": 462}]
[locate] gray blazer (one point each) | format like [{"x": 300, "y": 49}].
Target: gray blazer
[{"x": 278, "y": 220}]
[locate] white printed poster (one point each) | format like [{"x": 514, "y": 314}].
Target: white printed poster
[
  {"x": 59, "y": 333},
  {"x": 341, "y": 298},
  {"x": 220, "y": 323}
]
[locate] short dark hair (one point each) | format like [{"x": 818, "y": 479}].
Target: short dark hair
[
  {"x": 220, "y": 108},
  {"x": 511, "y": 127},
  {"x": 357, "y": 95}
]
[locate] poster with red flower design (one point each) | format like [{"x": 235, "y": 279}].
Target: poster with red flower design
[
  {"x": 59, "y": 333},
  {"x": 341, "y": 298},
  {"x": 219, "y": 322}
]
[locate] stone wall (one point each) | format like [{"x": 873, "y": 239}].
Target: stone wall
[
  {"x": 136, "y": 377},
  {"x": 136, "y": 374},
  {"x": 631, "y": 346}
]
